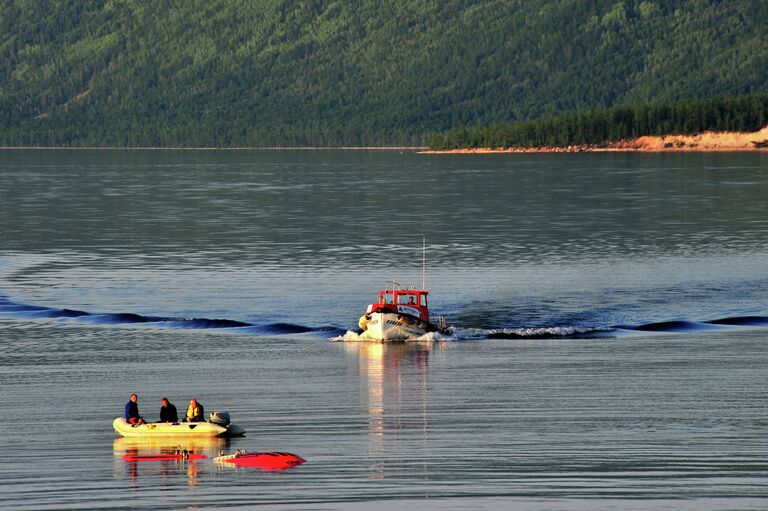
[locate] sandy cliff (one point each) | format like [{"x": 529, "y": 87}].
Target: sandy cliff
[{"x": 707, "y": 141}]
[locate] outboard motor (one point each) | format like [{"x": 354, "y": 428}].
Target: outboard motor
[{"x": 220, "y": 418}]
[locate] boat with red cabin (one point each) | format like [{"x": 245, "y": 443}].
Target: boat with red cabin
[{"x": 399, "y": 315}]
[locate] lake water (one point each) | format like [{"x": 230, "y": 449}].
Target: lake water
[{"x": 608, "y": 313}]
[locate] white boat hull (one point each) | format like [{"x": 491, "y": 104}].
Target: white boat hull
[
  {"x": 388, "y": 326},
  {"x": 176, "y": 429}
]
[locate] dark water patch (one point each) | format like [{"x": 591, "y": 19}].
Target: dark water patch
[
  {"x": 123, "y": 317},
  {"x": 290, "y": 328},
  {"x": 694, "y": 326},
  {"x": 279, "y": 328},
  {"x": 42, "y": 313},
  {"x": 669, "y": 326},
  {"x": 741, "y": 321},
  {"x": 68, "y": 313},
  {"x": 202, "y": 323},
  {"x": 10, "y": 308},
  {"x": 19, "y": 308}
]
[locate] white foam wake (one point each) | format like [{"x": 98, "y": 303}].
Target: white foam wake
[{"x": 467, "y": 334}]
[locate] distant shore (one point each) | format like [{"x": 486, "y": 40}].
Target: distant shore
[
  {"x": 709, "y": 141},
  {"x": 299, "y": 148}
]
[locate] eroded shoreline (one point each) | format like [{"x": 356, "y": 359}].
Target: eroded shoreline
[{"x": 708, "y": 141}]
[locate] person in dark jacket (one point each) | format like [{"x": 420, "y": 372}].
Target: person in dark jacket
[
  {"x": 168, "y": 411},
  {"x": 195, "y": 412},
  {"x": 132, "y": 411}
]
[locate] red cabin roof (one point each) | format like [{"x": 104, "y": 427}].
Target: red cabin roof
[{"x": 402, "y": 301}]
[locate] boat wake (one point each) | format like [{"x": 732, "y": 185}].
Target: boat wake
[
  {"x": 468, "y": 334},
  {"x": 581, "y": 332},
  {"x": 10, "y": 309}
]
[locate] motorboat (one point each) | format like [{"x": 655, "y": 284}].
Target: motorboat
[
  {"x": 399, "y": 315},
  {"x": 218, "y": 425}
]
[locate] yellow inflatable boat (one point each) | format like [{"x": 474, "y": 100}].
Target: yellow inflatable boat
[{"x": 176, "y": 429}]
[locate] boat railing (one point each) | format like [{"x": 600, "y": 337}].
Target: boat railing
[{"x": 395, "y": 285}]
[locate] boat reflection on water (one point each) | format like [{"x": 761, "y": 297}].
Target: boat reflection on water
[
  {"x": 396, "y": 377},
  {"x": 166, "y": 445}
]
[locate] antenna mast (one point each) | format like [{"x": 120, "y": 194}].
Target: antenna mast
[{"x": 423, "y": 262}]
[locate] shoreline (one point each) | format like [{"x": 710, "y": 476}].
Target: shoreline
[
  {"x": 586, "y": 149},
  {"x": 298, "y": 148},
  {"x": 708, "y": 141}
]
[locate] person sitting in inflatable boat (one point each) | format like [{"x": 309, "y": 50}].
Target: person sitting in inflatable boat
[
  {"x": 195, "y": 412},
  {"x": 168, "y": 411},
  {"x": 132, "y": 411}
]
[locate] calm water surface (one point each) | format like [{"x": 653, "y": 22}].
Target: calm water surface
[{"x": 608, "y": 348}]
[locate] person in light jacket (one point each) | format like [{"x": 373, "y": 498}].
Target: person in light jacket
[{"x": 195, "y": 412}]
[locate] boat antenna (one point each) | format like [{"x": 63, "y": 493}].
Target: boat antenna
[{"x": 423, "y": 262}]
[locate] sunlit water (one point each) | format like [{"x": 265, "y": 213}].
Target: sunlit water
[{"x": 608, "y": 328}]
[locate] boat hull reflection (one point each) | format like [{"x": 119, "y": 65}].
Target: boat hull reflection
[
  {"x": 395, "y": 381},
  {"x": 166, "y": 469}
]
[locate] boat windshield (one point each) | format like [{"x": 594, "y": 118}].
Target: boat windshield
[{"x": 401, "y": 297}]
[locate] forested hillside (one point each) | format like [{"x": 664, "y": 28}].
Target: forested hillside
[{"x": 333, "y": 72}]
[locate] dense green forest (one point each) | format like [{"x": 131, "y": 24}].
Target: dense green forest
[
  {"x": 333, "y": 72},
  {"x": 743, "y": 113}
]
